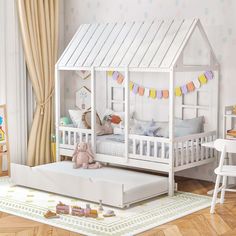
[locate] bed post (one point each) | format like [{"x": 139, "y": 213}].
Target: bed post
[
  {"x": 217, "y": 101},
  {"x": 57, "y": 110},
  {"x": 127, "y": 113},
  {"x": 93, "y": 109},
  {"x": 171, "y": 132}
]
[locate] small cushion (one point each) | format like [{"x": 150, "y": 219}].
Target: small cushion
[{"x": 76, "y": 118}]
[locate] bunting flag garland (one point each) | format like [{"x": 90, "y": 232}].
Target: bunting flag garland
[
  {"x": 120, "y": 79},
  {"x": 190, "y": 86},
  {"x": 165, "y": 94},
  {"x": 202, "y": 78},
  {"x": 159, "y": 94},
  {"x": 152, "y": 93},
  {"x": 196, "y": 83},
  {"x": 115, "y": 75},
  {"x": 209, "y": 75},
  {"x": 184, "y": 89},
  {"x": 110, "y": 73},
  {"x": 131, "y": 85},
  {"x": 135, "y": 88},
  {"x": 141, "y": 91},
  {"x": 178, "y": 92},
  {"x": 146, "y": 92}
]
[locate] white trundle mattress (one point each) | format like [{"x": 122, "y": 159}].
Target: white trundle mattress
[{"x": 114, "y": 186}]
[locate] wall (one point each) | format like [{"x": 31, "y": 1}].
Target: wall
[{"x": 217, "y": 17}]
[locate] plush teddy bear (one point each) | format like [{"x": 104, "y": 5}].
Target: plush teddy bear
[{"x": 84, "y": 157}]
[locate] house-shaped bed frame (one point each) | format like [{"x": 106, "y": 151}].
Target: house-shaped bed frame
[{"x": 153, "y": 46}]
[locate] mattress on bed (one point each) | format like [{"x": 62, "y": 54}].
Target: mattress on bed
[
  {"x": 115, "y": 186},
  {"x": 114, "y": 145}
]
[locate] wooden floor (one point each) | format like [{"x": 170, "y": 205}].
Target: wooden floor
[{"x": 199, "y": 223}]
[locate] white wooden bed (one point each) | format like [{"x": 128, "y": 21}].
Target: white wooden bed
[{"x": 140, "y": 47}]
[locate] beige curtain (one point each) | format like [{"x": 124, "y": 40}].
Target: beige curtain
[{"x": 39, "y": 28}]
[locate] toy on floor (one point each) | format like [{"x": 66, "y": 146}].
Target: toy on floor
[
  {"x": 100, "y": 208},
  {"x": 51, "y": 215},
  {"x": 109, "y": 213},
  {"x": 62, "y": 208},
  {"x": 87, "y": 209},
  {"x": 84, "y": 157},
  {"x": 87, "y": 212},
  {"x": 77, "y": 211}
]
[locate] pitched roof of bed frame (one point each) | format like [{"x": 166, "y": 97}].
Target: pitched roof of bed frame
[{"x": 149, "y": 44}]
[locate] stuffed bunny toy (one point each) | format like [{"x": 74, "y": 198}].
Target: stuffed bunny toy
[{"x": 84, "y": 157}]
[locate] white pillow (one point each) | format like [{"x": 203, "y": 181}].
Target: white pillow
[{"x": 76, "y": 117}]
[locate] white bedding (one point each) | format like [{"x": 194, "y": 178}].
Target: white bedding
[
  {"x": 114, "y": 145},
  {"x": 110, "y": 145}
]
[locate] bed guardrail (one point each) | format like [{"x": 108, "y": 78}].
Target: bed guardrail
[
  {"x": 70, "y": 136},
  {"x": 149, "y": 148},
  {"x": 188, "y": 149}
]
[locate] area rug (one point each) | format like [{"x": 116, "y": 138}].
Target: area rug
[{"x": 32, "y": 204}]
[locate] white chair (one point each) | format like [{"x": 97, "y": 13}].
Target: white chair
[{"x": 224, "y": 146}]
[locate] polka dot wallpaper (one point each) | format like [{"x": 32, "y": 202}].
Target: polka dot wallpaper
[{"x": 217, "y": 16}]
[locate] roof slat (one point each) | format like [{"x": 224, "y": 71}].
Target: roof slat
[
  {"x": 108, "y": 44},
  {"x": 82, "y": 45},
  {"x": 152, "y": 50},
  {"x": 73, "y": 44},
  {"x": 185, "y": 27},
  {"x": 94, "y": 53},
  {"x": 91, "y": 44},
  {"x": 136, "y": 43},
  {"x": 115, "y": 47},
  {"x": 125, "y": 46},
  {"x": 169, "y": 38},
  {"x": 146, "y": 44}
]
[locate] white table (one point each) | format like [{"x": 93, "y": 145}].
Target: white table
[{"x": 209, "y": 145}]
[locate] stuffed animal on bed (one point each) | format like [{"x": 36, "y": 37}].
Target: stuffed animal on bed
[{"x": 84, "y": 157}]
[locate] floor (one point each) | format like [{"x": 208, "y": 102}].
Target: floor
[{"x": 199, "y": 223}]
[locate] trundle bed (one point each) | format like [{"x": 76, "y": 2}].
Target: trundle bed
[{"x": 156, "y": 47}]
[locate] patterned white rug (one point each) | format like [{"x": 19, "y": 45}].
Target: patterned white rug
[{"x": 32, "y": 204}]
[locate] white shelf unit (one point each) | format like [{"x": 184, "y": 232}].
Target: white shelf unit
[{"x": 229, "y": 122}]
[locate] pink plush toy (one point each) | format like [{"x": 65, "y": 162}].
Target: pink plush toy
[{"x": 84, "y": 157}]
